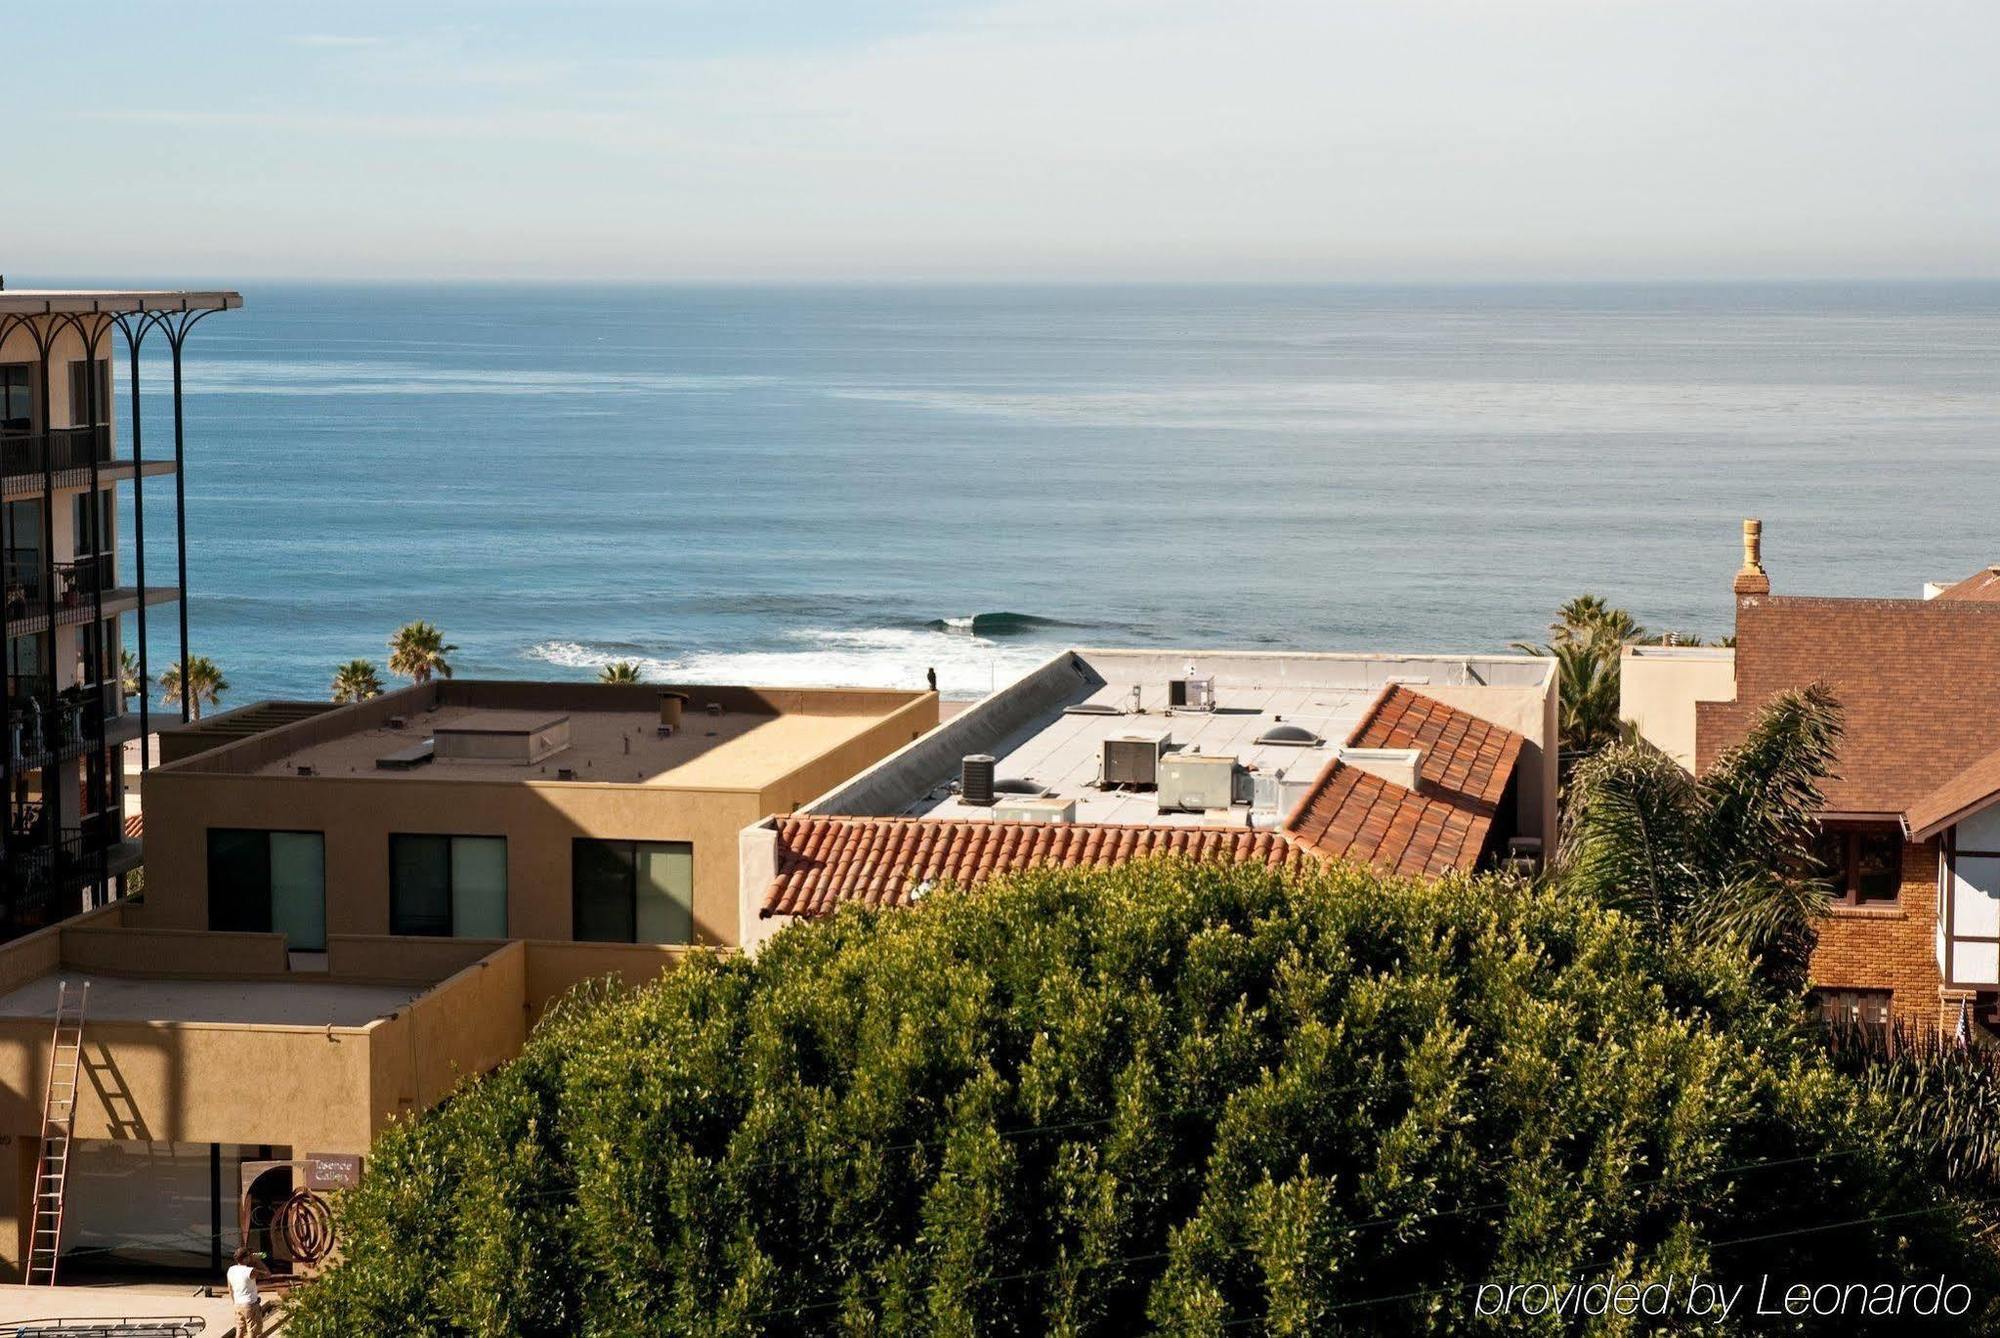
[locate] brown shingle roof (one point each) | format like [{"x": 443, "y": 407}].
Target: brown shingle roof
[
  {"x": 1960, "y": 797},
  {"x": 824, "y": 860},
  {"x": 1919, "y": 681},
  {"x": 1442, "y": 824},
  {"x": 1982, "y": 585}
]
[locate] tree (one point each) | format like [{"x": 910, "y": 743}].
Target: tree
[
  {"x": 1204, "y": 1099},
  {"x": 356, "y": 681},
  {"x": 205, "y": 684},
  {"x": 1585, "y": 641},
  {"x": 1729, "y": 854},
  {"x": 621, "y": 671},
  {"x": 129, "y": 681},
  {"x": 417, "y": 651}
]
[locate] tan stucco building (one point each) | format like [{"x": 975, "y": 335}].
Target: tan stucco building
[
  {"x": 506, "y": 810},
  {"x": 348, "y": 910}
]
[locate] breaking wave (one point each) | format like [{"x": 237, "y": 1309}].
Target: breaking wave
[
  {"x": 967, "y": 664},
  {"x": 996, "y": 624}
]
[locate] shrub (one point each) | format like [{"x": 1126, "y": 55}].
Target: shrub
[{"x": 1198, "y": 1099}]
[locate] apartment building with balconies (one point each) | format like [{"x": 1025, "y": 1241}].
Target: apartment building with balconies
[{"x": 67, "y": 595}]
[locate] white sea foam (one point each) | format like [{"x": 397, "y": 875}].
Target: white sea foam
[{"x": 878, "y": 657}]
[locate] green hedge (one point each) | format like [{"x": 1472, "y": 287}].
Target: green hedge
[{"x": 1205, "y": 1100}]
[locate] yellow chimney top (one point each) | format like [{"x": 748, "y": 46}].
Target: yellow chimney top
[{"x": 1751, "y": 580}]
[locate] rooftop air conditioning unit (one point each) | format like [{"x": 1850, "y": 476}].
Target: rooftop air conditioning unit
[
  {"x": 1034, "y": 808},
  {"x": 1133, "y": 760},
  {"x": 1197, "y": 782},
  {"x": 1191, "y": 694},
  {"x": 975, "y": 779}
]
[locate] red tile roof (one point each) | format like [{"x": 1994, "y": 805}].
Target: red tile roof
[
  {"x": 1441, "y": 825},
  {"x": 1983, "y": 585},
  {"x": 824, "y": 860},
  {"x": 1918, "y": 680}
]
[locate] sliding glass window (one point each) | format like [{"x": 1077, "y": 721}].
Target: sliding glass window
[
  {"x": 455, "y": 885},
  {"x": 268, "y": 882},
  {"x": 632, "y": 891}
]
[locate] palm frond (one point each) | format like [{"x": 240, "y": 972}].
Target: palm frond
[{"x": 1627, "y": 833}]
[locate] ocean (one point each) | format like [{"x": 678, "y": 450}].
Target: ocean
[{"x": 787, "y": 485}]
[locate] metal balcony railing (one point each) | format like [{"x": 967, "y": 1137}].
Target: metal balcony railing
[
  {"x": 76, "y": 581},
  {"x": 59, "y": 451},
  {"x": 38, "y": 732}
]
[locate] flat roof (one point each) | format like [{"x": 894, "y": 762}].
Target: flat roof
[
  {"x": 755, "y": 738},
  {"x": 296, "y": 1001},
  {"x": 1050, "y": 728},
  {"x": 49, "y": 301}
]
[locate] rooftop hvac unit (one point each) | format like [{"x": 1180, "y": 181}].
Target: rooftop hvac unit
[
  {"x": 1024, "y": 808},
  {"x": 975, "y": 779},
  {"x": 1280, "y": 792},
  {"x": 1197, "y": 782},
  {"x": 1133, "y": 760},
  {"x": 1191, "y": 694}
]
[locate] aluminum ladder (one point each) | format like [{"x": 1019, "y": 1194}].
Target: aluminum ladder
[{"x": 58, "y": 1118}]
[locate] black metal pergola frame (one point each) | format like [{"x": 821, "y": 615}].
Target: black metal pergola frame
[{"x": 174, "y": 317}]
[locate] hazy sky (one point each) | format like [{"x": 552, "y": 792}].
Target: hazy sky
[{"x": 1320, "y": 139}]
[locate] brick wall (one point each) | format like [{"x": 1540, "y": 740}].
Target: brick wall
[{"x": 1889, "y": 947}]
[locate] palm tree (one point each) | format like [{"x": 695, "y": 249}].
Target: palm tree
[
  {"x": 128, "y": 672},
  {"x": 1726, "y": 855},
  {"x": 418, "y": 651},
  {"x": 620, "y": 671},
  {"x": 1585, "y": 641},
  {"x": 205, "y": 684},
  {"x": 356, "y": 681}
]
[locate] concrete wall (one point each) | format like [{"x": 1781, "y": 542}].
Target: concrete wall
[
  {"x": 473, "y": 1022},
  {"x": 1658, "y": 687},
  {"x": 553, "y": 969}
]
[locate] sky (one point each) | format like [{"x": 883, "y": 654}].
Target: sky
[{"x": 1266, "y": 140}]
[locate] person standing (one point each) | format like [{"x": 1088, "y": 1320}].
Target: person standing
[
  {"x": 931, "y": 675},
  {"x": 243, "y": 1275}
]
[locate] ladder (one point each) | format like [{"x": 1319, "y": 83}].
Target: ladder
[{"x": 58, "y": 1118}]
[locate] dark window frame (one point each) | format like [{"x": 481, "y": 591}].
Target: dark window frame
[
  {"x": 396, "y": 921},
  {"x": 79, "y": 391},
  {"x": 1872, "y": 1010},
  {"x": 26, "y": 380},
  {"x": 1843, "y": 873},
  {"x": 619, "y": 857},
  {"x": 258, "y": 916}
]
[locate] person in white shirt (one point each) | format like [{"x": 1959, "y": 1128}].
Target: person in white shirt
[{"x": 243, "y": 1275}]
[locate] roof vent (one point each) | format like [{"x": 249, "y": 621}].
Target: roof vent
[
  {"x": 566, "y": 773},
  {"x": 1019, "y": 785},
  {"x": 305, "y": 771},
  {"x": 975, "y": 780},
  {"x": 398, "y": 722},
  {"x": 1290, "y": 736},
  {"x": 1398, "y": 766},
  {"x": 1092, "y": 708}
]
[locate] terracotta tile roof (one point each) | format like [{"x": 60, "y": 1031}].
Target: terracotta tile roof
[
  {"x": 1441, "y": 825},
  {"x": 135, "y": 827},
  {"x": 1983, "y": 585},
  {"x": 1919, "y": 680},
  {"x": 824, "y": 860}
]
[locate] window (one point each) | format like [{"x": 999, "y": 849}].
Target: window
[
  {"x": 632, "y": 891},
  {"x": 90, "y": 537},
  {"x": 1864, "y": 865},
  {"x": 454, "y": 885},
  {"x": 79, "y": 393},
  {"x": 17, "y": 397},
  {"x": 1867, "y": 1010},
  {"x": 264, "y": 882}
]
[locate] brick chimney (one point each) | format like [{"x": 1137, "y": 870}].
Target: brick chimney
[{"x": 1752, "y": 580}]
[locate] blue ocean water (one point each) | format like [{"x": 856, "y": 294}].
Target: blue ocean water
[{"x": 823, "y": 484}]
